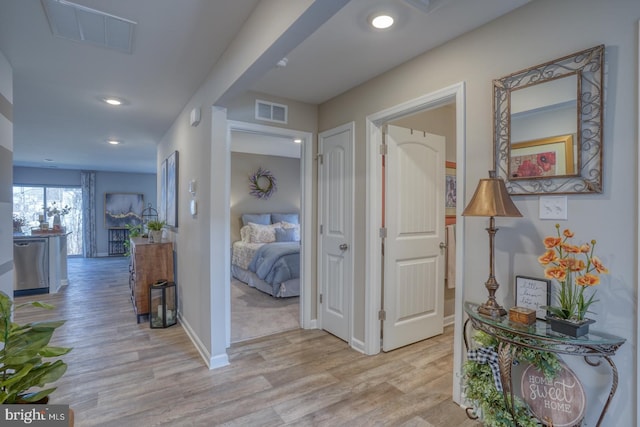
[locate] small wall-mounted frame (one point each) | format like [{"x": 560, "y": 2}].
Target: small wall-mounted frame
[
  {"x": 533, "y": 293},
  {"x": 450, "y": 190}
]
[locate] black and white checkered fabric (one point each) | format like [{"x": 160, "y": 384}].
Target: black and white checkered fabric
[{"x": 489, "y": 356}]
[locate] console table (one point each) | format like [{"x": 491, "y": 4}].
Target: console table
[{"x": 540, "y": 337}]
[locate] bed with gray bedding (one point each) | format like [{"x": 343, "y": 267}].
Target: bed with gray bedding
[
  {"x": 274, "y": 267},
  {"x": 268, "y": 255}
]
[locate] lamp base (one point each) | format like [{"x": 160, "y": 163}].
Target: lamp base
[{"x": 492, "y": 310}]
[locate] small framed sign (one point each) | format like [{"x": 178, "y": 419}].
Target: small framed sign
[{"x": 533, "y": 293}]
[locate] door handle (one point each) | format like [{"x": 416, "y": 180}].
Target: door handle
[
  {"x": 343, "y": 247},
  {"x": 443, "y": 245}
]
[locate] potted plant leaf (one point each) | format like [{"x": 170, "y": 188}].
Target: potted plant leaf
[
  {"x": 22, "y": 357},
  {"x": 134, "y": 231},
  {"x": 155, "y": 230}
]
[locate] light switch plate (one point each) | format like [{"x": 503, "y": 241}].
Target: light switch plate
[{"x": 553, "y": 207}]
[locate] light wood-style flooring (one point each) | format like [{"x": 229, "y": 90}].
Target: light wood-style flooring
[{"x": 125, "y": 374}]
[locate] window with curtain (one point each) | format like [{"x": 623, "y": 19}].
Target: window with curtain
[{"x": 30, "y": 204}]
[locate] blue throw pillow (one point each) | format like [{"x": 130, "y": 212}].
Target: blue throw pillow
[
  {"x": 286, "y": 217},
  {"x": 285, "y": 235},
  {"x": 262, "y": 219}
]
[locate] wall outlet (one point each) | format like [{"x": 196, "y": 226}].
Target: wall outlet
[{"x": 553, "y": 207}]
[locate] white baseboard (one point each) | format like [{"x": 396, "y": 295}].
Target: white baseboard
[
  {"x": 358, "y": 345},
  {"x": 214, "y": 362},
  {"x": 448, "y": 321}
]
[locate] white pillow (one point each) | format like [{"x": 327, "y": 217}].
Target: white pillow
[
  {"x": 260, "y": 233},
  {"x": 295, "y": 227},
  {"x": 245, "y": 234}
]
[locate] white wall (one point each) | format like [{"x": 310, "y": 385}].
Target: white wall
[
  {"x": 540, "y": 31},
  {"x": 203, "y": 274},
  {"x": 6, "y": 179}
]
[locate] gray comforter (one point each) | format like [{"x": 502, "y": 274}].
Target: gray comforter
[{"x": 277, "y": 262}]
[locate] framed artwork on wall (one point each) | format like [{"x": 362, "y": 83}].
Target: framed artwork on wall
[
  {"x": 172, "y": 190},
  {"x": 162, "y": 207},
  {"x": 547, "y": 157},
  {"x": 122, "y": 209},
  {"x": 450, "y": 189}
]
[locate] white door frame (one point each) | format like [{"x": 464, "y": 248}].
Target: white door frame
[
  {"x": 373, "y": 260},
  {"x": 306, "y": 166}
]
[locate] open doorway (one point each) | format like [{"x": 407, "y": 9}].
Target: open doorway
[
  {"x": 259, "y": 308},
  {"x": 373, "y": 274}
]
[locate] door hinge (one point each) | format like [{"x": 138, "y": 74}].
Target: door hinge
[
  {"x": 382, "y": 315},
  {"x": 320, "y": 298},
  {"x": 383, "y": 149},
  {"x": 321, "y": 228},
  {"x": 320, "y": 158},
  {"x": 383, "y": 233}
]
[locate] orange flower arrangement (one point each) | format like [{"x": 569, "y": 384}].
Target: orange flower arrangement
[{"x": 576, "y": 268}]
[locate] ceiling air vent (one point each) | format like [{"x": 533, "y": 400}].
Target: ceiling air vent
[
  {"x": 75, "y": 22},
  {"x": 271, "y": 112}
]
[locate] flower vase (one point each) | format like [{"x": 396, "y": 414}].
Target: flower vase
[
  {"x": 56, "y": 221},
  {"x": 572, "y": 328}
]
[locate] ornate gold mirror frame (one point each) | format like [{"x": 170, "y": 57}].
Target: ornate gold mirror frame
[{"x": 581, "y": 174}]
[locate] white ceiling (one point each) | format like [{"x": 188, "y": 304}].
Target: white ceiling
[{"x": 58, "y": 83}]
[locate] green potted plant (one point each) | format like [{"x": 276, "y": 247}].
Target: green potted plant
[
  {"x": 155, "y": 230},
  {"x": 22, "y": 357},
  {"x": 134, "y": 231}
]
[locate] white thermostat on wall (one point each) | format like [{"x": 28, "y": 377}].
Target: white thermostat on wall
[{"x": 193, "y": 207}]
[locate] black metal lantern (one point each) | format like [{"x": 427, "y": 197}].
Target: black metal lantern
[{"x": 163, "y": 304}]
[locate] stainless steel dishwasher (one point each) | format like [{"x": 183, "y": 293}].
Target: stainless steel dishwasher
[{"x": 31, "y": 266}]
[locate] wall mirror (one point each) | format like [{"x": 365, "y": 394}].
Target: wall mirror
[{"x": 547, "y": 126}]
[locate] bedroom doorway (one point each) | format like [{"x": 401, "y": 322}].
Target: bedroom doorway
[{"x": 255, "y": 312}]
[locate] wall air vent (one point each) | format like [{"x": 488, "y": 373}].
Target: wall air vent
[{"x": 271, "y": 112}]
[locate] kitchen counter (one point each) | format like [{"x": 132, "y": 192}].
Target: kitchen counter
[{"x": 56, "y": 254}]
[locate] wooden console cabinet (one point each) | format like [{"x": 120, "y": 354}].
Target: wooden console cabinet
[{"x": 149, "y": 263}]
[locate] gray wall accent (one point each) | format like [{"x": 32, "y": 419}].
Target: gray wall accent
[
  {"x": 6, "y": 267},
  {"x": 6, "y": 108},
  {"x": 6, "y": 172},
  {"x": 6, "y": 160}
]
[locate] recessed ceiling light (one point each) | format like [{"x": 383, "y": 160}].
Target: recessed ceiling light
[
  {"x": 381, "y": 21},
  {"x": 114, "y": 142},
  {"x": 113, "y": 101},
  {"x": 298, "y": 141}
]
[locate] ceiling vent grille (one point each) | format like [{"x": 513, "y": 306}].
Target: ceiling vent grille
[
  {"x": 75, "y": 22},
  {"x": 271, "y": 112}
]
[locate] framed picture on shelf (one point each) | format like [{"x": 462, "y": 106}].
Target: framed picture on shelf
[
  {"x": 450, "y": 189},
  {"x": 533, "y": 293}
]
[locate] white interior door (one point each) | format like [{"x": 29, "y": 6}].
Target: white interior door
[
  {"x": 335, "y": 219},
  {"x": 414, "y": 215}
]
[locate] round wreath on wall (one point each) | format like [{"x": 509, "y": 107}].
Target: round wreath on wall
[{"x": 262, "y": 184}]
